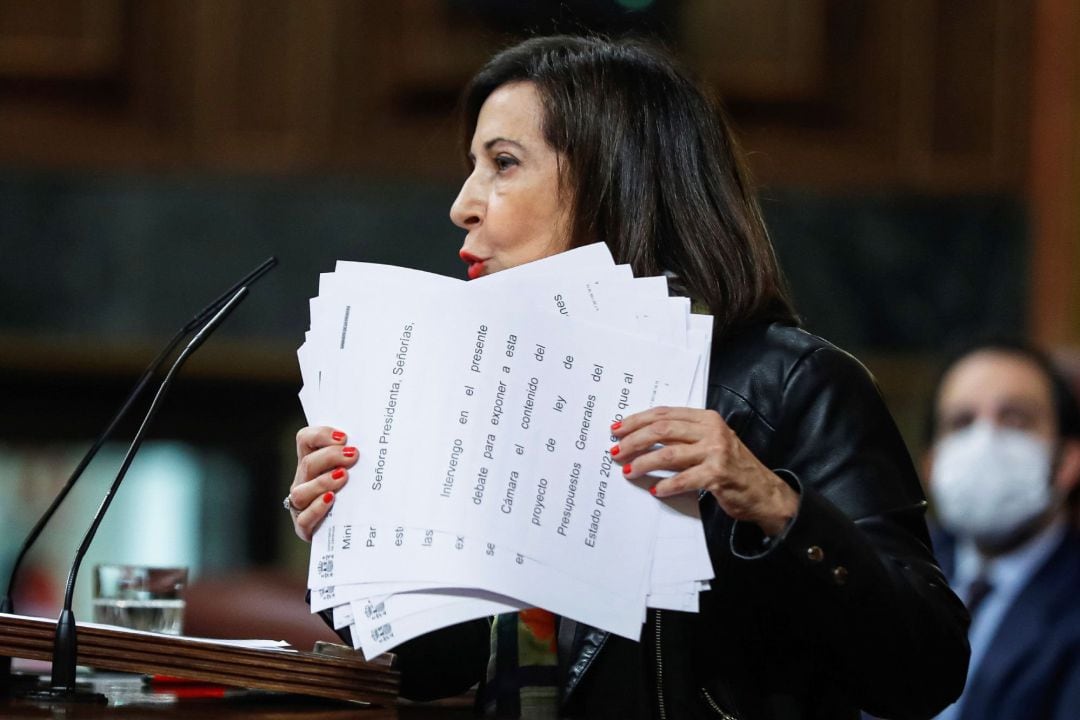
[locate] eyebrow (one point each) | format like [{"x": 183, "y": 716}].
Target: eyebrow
[
  {"x": 493, "y": 142},
  {"x": 496, "y": 140}
]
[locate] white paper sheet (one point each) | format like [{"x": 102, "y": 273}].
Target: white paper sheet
[{"x": 484, "y": 482}]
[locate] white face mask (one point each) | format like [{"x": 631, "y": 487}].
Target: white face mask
[{"x": 987, "y": 483}]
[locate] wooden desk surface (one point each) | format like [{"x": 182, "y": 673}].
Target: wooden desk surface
[{"x": 129, "y": 697}]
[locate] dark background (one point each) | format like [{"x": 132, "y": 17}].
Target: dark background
[{"x": 917, "y": 161}]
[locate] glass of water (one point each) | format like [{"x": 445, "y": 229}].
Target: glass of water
[{"x": 140, "y": 597}]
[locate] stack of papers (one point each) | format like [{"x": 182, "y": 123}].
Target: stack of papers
[{"x": 482, "y": 415}]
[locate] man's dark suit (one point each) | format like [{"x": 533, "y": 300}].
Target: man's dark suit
[{"x": 1031, "y": 670}]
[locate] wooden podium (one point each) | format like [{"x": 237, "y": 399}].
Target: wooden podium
[{"x": 282, "y": 670}]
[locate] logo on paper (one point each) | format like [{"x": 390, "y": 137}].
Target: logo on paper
[
  {"x": 326, "y": 566},
  {"x": 326, "y": 593}
]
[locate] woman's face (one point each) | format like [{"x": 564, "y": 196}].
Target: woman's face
[{"x": 511, "y": 204}]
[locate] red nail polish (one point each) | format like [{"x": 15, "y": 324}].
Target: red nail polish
[
  {"x": 337, "y": 435},
  {"x": 616, "y": 425},
  {"x": 614, "y": 450},
  {"x": 349, "y": 452},
  {"x": 626, "y": 469},
  {"x": 338, "y": 474},
  {"x": 652, "y": 491},
  {"x": 328, "y": 498}
]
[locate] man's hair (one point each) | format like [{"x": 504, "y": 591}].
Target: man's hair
[
  {"x": 1066, "y": 407},
  {"x": 654, "y": 170}
]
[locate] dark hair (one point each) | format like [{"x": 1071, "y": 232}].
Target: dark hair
[
  {"x": 654, "y": 171},
  {"x": 1066, "y": 407}
]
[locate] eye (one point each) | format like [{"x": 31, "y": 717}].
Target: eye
[
  {"x": 956, "y": 421},
  {"x": 504, "y": 162},
  {"x": 1019, "y": 418}
]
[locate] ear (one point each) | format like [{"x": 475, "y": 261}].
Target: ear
[{"x": 1067, "y": 476}]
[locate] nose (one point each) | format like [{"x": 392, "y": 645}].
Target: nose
[{"x": 467, "y": 211}]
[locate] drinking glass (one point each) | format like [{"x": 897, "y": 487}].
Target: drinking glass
[{"x": 140, "y": 597}]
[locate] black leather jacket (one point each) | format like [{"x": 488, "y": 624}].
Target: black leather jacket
[{"x": 846, "y": 610}]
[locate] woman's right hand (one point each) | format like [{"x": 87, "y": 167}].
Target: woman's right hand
[{"x": 322, "y": 463}]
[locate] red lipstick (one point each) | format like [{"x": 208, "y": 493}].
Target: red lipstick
[{"x": 476, "y": 264}]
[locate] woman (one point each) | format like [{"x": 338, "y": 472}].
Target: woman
[{"x": 827, "y": 598}]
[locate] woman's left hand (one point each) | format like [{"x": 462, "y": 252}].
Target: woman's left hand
[{"x": 707, "y": 455}]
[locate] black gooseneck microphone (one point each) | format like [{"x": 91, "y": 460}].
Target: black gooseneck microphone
[
  {"x": 7, "y": 604},
  {"x": 65, "y": 646}
]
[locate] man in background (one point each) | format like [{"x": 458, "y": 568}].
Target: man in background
[{"x": 1003, "y": 477}]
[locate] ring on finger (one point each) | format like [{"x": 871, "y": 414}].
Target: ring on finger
[{"x": 287, "y": 503}]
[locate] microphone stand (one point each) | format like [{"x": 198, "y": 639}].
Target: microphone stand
[
  {"x": 7, "y": 604},
  {"x": 65, "y": 647}
]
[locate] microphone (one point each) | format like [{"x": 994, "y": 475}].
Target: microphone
[
  {"x": 7, "y": 604},
  {"x": 65, "y": 645}
]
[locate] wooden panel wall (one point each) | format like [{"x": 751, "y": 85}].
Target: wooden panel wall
[
  {"x": 265, "y": 86},
  {"x": 1054, "y": 183},
  {"x": 925, "y": 94}
]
